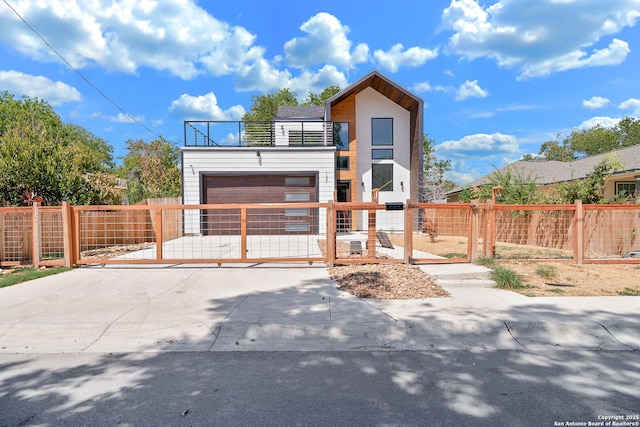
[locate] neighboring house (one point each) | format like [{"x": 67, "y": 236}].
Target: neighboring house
[
  {"x": 549, "y": 173},
  {"x": 369, "y": 135}
]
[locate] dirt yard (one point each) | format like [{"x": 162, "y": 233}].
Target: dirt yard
[{"x": 396, "y": 281}]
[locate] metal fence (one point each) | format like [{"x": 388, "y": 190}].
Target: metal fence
[
  {"x": 335, "y": 233},
  {"x": 258, "y": 133}
]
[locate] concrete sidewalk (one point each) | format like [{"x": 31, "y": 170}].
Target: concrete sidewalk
[{"x": 294, "y": 307}]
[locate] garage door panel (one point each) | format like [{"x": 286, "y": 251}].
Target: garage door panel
[{"x": 260, "y": 188}]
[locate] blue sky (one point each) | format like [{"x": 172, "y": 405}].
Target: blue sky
[{"x": 498, "y": 78}]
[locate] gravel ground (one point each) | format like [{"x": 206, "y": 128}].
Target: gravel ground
[{"x": 386, "y": 281}]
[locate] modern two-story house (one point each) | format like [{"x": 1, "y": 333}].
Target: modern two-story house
[{"x": 368, "y": 136}]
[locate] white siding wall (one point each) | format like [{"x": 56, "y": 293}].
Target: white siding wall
[
  {"x": 282, "y": 129},
  {"x": 371, "y": 104},
  {"x": 197, "y": 161}
]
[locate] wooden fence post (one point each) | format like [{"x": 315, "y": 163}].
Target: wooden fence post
[
  {"x": 331, "y": 238},
  {"x": 408, "y": 231},
  {"x": 578, "y": 249},
  {"x": 243, "y": 234},
  {"x": 35, "y": 235},
  {"x": 371, "y": 234},
  {"x": 158, "y": 233},
  {"x": 473, "y": 238},
  {"x": 489, "y": 225},
  {"x": 67, "y": 234}
]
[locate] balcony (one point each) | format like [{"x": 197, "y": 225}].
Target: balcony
[{"x": 289, "y": 133}]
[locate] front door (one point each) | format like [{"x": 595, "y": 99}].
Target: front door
[{"x": 343, "y": 195}]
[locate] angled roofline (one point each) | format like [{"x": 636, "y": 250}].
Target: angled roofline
[{"x": 377, "y": 81}]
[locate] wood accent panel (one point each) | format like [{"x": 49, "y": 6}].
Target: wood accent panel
[{"x": 345, "y": 111}]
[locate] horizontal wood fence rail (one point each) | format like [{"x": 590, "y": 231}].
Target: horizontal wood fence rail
[{"x": 164, "y": 231}]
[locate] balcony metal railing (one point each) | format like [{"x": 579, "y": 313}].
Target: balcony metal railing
[{"x": 258, "y": 133}]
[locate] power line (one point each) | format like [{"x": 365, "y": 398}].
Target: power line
[{"x": 104, "y": 95}]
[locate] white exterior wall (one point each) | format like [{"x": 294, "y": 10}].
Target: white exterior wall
[
  {"x": 282, "y": 128},
  {"x": 197, "y": 161},
  {"x": 371, "y": 104}
]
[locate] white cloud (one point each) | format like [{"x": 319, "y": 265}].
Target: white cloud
[
  {"x": 262, "y": 76},
  {"x": 326, "y": 42},
  {"x": 480, "y": 146},
  {"x": 55, "y": 93},
  {"x": 470, "y": 89},
  {"x": 204, "y": 107},
  {"x": 119, "y": 118},
  {"x": 595, "y": 102},
  {"x": 396, "y": 57},
  {"x": 307, "y": 82},
  {"x": 541, "y": 37},
  {"x": 631, "y": 104},
  {"x": 605, "y": 122},
  {"x": 460, "y": 173},
  {"x": 176, "y": 36},
  {"x": 422, "y": 87}
]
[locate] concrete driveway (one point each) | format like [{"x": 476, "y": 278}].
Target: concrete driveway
[{"x": 292, "y": 307}]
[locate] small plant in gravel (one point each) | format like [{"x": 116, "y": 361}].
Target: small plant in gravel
[{"x": 547, "y": 271}]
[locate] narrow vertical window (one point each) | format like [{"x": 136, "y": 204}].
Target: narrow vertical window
[{"x": 381, "y": 131}]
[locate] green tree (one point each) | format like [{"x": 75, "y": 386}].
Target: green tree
[
  {"x": 321, "y": 98},
  {"x": 517, "y": 188},
  {"x": 553, "y": 150},
  {"x": 590, "y": 189},
  {"x": 265, "y": 107},
  {"x": 589, "y": 142},
  {"x": 42, "y": 156},
  {"x": 434, "y": 186},
  {"x": 152, "y": 170}
]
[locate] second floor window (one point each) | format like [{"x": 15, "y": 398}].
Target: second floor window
[
  {"x": 341, "y": 135},
  {"x": 381, "y": 131}
]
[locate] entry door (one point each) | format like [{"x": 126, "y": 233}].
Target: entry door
[{"x": 344, "y": 195}]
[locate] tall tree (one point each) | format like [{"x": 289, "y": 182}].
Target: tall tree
[
  {"x": 321, "y": 98},
  {"x": 434, "y": 186},
  {"x": 589, "y": 142},
  {"x": 41, "y": 156},
  {"x": 265, "y": 107},
  {"x": 152, "y": 170}
]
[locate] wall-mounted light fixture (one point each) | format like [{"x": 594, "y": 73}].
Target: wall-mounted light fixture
[
  {"x": 258, "y": 153},
  {"x": 402, "y": 185},
  {"x": 362, "y": 184}
]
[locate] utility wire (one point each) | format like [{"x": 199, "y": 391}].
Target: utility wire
[{"x": 104, "y": 95}]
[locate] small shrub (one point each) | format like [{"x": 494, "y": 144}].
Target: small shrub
[
  {"x": 454, "y": 255},
  {"x": 506, "y": 279},
  {"x": 487, "y": 262},
  {"x": 547, "y": 271},
  {"x": 628, "y": 292}
]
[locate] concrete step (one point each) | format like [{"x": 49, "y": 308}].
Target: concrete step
[{"x": 456, "y": 271}]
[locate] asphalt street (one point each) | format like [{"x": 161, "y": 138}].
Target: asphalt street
[{"x": 387, "y": 388}]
